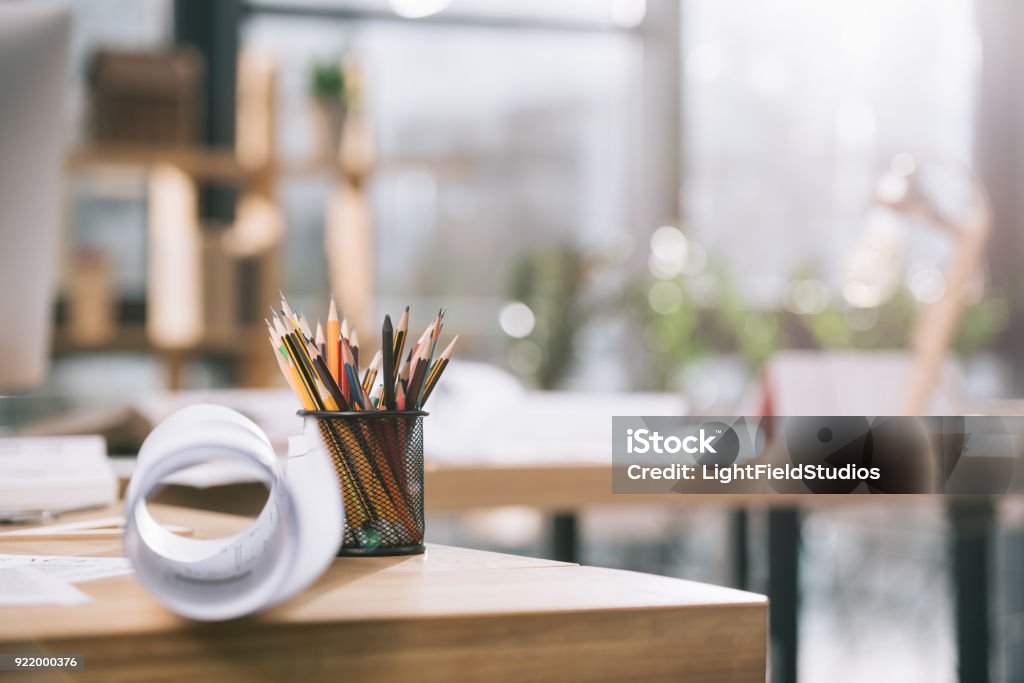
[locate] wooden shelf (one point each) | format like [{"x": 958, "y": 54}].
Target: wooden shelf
[
  {"x": 133, "y": 338},
  {"x": 223, "y": 165},
  {"x": 210, "y": 164}
]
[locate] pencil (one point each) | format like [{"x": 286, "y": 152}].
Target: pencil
[
  {"x": 371, "y": 373},
  {"x": 308, "y": 358},
  {"x": 401, "y": 333},
  {"x": 322, "y": 367},
  {"x": 410, "y": 365},
  {"x": 353, "y": 342},
  {"x": 325, "y": 376},
  {"x": 333, "y": 336},
  {"x": 304, "y": 327},
  {"x": 387, "y": 347},
  {"x": 320, "y": 346},
  {"x": 435, "y": 372},
  {"x": 435, "y": 334},
  {"x": 348, "y": 358},
  {"x": 416, "y": 381},
  {"x": 353, "y": 383},
  {"x": 289, "y": 375},
  {"x": 399, "y": 397},
  {"x": 304, "y": 372},
  {"x": 286, "y": 309}
]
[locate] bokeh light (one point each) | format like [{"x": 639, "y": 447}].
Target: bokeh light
[
  {"x": 927, "y": 284},
  {"x": 627, "y": 13},
  {"x": 806, "y": 297},
  {"x": 669, "y": 250},
  {"x": 665, "y": 297},
  {"x": 516, "y": 319},
  {"x": 417, "y": 9}
]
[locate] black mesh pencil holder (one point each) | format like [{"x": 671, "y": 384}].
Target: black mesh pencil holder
[{"x": 379, "y": 460}]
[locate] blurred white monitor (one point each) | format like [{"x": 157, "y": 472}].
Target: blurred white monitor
[{"x": 34, "y": 40}]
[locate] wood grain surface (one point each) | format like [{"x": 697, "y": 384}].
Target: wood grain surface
[{"x": 450, "y": 615}]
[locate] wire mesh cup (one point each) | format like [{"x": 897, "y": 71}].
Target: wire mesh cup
[{"x": 379, "y": 460}]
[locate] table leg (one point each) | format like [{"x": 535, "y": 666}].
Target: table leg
[
  {"x": 783, "y": 592},
  {"x": 972, "y": 522},
  {"x": 739, "y": 556},
  {"x": 1011, "y": 597},
  {"x": 565, "y": 541}
]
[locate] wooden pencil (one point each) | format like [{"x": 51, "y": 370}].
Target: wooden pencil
[
  {"x": 401, "y": 332},
  {"x": 371, "y": 373},
  {"x": 437, "y": 369},
  {"x": 353, "y": 342},
  {"x": 320, "y": 345},
  {"x": 333, "y": 335},
  {"x": 320, "y": 364},
  {"x": 387, "y": 347},
  {"x": 322, "y": 367},
  {"x": 400, "y": 397}
]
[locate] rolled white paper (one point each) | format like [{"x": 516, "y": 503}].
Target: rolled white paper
[{"x": 291, "y": 542}]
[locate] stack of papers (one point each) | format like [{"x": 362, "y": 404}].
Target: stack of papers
[
  {"x": 54, "y": 474},
  {"x": 48, "y": 579}
]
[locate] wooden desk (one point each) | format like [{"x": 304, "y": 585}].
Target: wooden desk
[{"x": 451, "y": 614}]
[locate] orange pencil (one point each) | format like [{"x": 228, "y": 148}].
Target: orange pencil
[{"x": 333, "y": 337}]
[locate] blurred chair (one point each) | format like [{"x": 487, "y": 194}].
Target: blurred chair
[{"x": 921, "y": 380}]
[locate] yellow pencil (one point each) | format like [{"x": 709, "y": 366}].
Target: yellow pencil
[
  {"x": 371, "y": 372},
  {"x": 437, "y": 369}
]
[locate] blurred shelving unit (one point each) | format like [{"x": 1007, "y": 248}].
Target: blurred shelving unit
[{"x": 193, "y": 306}]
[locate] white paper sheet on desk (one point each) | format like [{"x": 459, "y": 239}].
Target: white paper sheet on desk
[
  {"x": 69, "y": 568},
  {"x": 538, "y": 427},
  {"x": 21, "y": 585},
  {"x": 54, "y": 473}
]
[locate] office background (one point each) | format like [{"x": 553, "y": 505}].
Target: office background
[{"x": 616, "y": 195}]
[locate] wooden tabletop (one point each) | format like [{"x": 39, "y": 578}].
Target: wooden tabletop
[
  {"x": 560, "y": 486},
  {"x": 552, "y": 487},
  {"x": 451, "y": 614}
]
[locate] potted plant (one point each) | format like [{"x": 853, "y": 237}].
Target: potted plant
[{"x": 329, "y": 95}]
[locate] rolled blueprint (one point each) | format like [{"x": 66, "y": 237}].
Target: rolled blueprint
[{"x": 285, "y": 549}]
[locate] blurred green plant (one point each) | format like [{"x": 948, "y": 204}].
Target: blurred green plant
[
  {"x": 691, "y": 314},
  {"x": 327, "y": 81},
  {"x": 724, "y": 321},
  {"x": 549, "y": 283}
]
